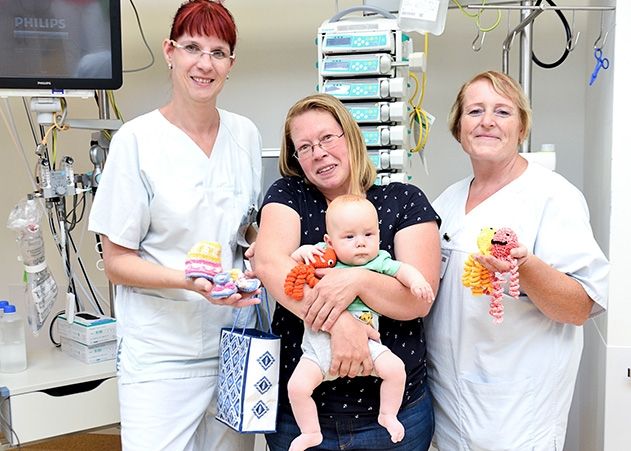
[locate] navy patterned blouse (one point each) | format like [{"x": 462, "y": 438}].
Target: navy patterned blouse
[{"x": 398, "y": 206}]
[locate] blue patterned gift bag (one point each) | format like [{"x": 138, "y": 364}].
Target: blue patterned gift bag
[{"x": 248, "y": 377}]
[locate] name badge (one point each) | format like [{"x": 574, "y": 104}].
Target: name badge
[{"x": 444, "y": 260}]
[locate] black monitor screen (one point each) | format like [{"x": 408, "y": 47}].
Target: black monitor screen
[{"x": 60, "y": 44}]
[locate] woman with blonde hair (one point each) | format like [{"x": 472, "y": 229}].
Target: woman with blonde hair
[{"x": 322, "y": 157}]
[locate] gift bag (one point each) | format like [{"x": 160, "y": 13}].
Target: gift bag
[{"x": 248, "y": 376}]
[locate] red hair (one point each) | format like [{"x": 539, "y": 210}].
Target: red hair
[{"x": 204, "y": 18}]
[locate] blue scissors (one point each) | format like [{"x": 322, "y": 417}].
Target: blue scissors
[{"x": 600, "y": 63}]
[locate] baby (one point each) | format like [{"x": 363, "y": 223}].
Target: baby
[{"x": 352, "y": 228}]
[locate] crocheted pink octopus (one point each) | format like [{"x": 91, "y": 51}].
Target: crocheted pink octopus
[{"x": 502, "y": 242}]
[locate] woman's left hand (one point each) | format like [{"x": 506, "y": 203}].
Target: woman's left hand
[
  {"x": 323, "y": 304},
  {"x": 350, "y": 355},
  {"x": 493, "y": 264}
]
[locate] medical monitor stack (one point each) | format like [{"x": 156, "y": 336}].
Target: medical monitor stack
[{"x": 363, "y": 62}]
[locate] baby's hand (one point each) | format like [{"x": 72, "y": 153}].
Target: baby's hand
[
  {"x": 306, "y": 253},
  {"x": 422, "y": 290}
]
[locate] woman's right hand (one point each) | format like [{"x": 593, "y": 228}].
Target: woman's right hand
[{"x": 350, "y": 356}]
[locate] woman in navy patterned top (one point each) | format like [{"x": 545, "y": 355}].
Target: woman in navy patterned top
[{"x": 323, "y": 156}]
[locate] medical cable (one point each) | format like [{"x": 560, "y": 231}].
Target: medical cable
[
  {"x": 477, "y": 16},
  {"x": 144, "y": 40},
  {"x": 59, "y": 240},
  {"x": 98, "y": 297},
  {"x": 50, "y": 329},
  {"x": 51, "y": 132},
  {"x": 15, "y": 137},
  {"x": 4, "y": 398},
  {"x": 72, "y": 223},
  {"x": 85, "y": 276},
  {"x": 568, "y": 37},
  {"x": 418, "y": 115},
  {"x": 112, "y": 100},
  {"x": 73, "y": 280},
  {"x": 30, "y": 120}
]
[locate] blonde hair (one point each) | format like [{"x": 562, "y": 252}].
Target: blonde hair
[
  {"x": 362, "y": 171},
  {"x": 503, "y": 85},
  {"x": 340, "y": 202}
]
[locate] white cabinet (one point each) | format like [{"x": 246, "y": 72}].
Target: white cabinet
[{"x": 57, "y": 395}]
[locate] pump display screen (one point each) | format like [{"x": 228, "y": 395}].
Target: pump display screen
[{"x": 337, "y": 41}]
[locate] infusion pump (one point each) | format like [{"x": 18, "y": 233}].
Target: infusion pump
[{"x": 364, "y": 62}]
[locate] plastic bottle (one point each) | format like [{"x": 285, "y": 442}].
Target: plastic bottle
[
  {"x": 3, "y": 304},
  {"x": 13, "y": 343},
  {"x": 423, "y": 16}
]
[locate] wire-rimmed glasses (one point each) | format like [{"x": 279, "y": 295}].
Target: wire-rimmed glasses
[
  {"x": 196, "y": 51},
  {"x": 327, "y": 142}
]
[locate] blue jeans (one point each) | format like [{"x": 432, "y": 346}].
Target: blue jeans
[{"x": 349, "y": 433}]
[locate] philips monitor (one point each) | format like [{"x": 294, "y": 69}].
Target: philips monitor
[{"x": 58, "y": 45}]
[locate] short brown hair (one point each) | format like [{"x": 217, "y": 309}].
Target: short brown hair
[
  {"x": 504, "y": 85},
  {"x": 362, "y": 171}
]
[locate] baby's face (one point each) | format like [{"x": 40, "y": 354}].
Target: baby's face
[{"x": 354, "y": 233}]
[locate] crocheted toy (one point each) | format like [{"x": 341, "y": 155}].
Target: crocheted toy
[
  {"x": 476, "y": 276},
  {"x": 481, "y": 281},
  {"x": 204, "y": 260},
  {"x": 303, "y": 273}
]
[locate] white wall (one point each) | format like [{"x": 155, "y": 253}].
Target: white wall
[{"x": 276, "y": 56}]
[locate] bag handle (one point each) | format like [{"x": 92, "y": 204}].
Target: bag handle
[{"x": 257, "y": 308}]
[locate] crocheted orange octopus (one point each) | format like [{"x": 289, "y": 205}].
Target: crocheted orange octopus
[{"x": 302, "y": 274}]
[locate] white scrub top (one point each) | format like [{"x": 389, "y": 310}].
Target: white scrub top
[
  {"x": 509, "y": 386},
  {"x": 160, "y": 194}
]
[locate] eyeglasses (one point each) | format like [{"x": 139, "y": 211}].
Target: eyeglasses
[
  {"x": 327, "y": 142},
  {"x": 197, "y": 52}
]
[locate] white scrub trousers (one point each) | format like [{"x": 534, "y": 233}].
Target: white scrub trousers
[{"x": 147, "y": 418}]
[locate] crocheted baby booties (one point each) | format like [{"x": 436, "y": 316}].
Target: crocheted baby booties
[{"x": 203, "y": 260}]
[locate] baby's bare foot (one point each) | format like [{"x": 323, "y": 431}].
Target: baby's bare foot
[
  {"x": 394, "y": 426},
  {"x": 304, "y": 441}
]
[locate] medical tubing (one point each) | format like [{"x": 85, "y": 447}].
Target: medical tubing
[
  {"x": 568, "y": 34},
  {"x": 418, "y": 115},
  {"x": 31, "y": 125},
  {"x": 85, "y": 276},
  {"x": 4, "y": 397},
  {"x": 57, "y": 344},
  {"x": 144, "y": 40},
  {"x": 9, "y": 121},
  {"x": 63, "y": 246}
]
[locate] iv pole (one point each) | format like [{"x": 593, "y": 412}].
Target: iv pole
[
  {"x": 104, "y": 113},
  {"x": 525, "y": 47}
]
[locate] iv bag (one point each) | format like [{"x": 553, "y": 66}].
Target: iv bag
[
  {"x": 41, "y": 288},
  {"x": 423, "y": 16}
]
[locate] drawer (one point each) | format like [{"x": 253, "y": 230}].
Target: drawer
[{"x": 61, "y": 410}]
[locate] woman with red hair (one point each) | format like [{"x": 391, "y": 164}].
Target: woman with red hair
[{"x": 175, "y": 176}]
